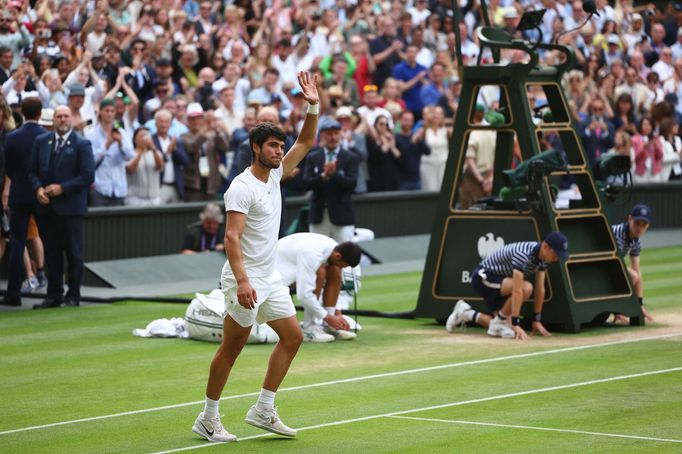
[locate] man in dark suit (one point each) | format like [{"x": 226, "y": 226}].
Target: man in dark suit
[
  {"x": 62, "y": 169},
  {"x": 22, "y": 199},
  {"x": 331, "y": 172}
]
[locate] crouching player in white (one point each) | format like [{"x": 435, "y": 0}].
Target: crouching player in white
[
  {"x": 501, "y": 280},
  {"x": 253, "y": 289},
  {"x": 627, "y": 235},
  {"x": 314, "y": 262}
]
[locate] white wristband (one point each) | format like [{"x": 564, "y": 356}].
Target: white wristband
[{"x": 313, "y": 109}]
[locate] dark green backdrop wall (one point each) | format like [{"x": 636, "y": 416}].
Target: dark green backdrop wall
[{"x": 133, "y": 232}]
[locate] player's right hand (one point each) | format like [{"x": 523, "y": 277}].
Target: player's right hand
[
  {"x": 337, "y": 322},
  {"x": 246, "y": 295},
  {"x": 520, "y": 333}
]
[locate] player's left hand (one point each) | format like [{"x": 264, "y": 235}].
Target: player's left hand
[
  {"x": 647, "y": 315},
  {"x": 520, "y": 334},
  {"x": 308, "y": 85},
  {"x": 538, "y": 327}
]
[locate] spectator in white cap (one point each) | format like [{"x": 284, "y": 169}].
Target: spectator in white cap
[
  {"x": 351, "y": 140},
  {"x": 204, "y": 143},
  {"x": 613, "y": 49},
  {"x": 510, "y": 20},
  {"x": 46, "y": 118},
  {"x": 636, "y": 33}
]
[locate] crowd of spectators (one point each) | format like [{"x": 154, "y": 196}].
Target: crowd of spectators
[{"x": 195, "y": 74}]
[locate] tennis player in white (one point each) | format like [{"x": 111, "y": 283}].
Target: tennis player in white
[
  {"x": 314, "y": 262},
  {"x": 253, "y": 289}
]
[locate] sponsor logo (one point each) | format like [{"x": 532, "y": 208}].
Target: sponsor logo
[
  {"x": 209, "y": 432},
  {"x": 487, "y": 244}
]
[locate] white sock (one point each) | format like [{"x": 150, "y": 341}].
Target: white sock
[
  {"x": 470, "y": 315},
  {"x": 266, "y": 400},
  {"x": 330, "y": 310},
  {"x": 211, "y": 408}
]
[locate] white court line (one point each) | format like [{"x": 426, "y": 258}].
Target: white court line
[
  {"x": 547, "y": 429},
  {"x": 349, "y": 380},
  {"x": 451, "y": 404}
]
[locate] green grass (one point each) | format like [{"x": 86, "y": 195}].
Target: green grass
[{"x": 68, "y": 364}]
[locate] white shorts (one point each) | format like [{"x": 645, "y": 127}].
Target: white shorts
[{"x": 273, "y": 301}]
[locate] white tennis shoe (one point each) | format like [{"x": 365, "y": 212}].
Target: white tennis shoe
[
  {"x": 316, "y": 334},
  {"x": 212, "y": 429},
  {"x": 268, "y": 420},
  {"x": 499, "y": 328},
  {"x": 340, "y": 334},
  {"x": 457, "y": 317}
]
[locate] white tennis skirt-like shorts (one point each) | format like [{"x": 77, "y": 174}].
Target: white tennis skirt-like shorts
[{"x": 273, "y": 301}]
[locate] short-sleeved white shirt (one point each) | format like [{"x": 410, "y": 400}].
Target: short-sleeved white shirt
[{"x": 262, "y": 204}]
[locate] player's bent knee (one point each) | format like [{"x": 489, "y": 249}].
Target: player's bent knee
[{"x": 527, "y": 289}]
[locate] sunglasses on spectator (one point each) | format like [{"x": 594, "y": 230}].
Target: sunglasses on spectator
[{"x": 370, "y": 88}]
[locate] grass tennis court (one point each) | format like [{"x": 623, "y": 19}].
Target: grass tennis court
[{"x": 76, "y": 380}]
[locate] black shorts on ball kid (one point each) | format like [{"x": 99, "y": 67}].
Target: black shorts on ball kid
[{"x": 488, "y": 286}]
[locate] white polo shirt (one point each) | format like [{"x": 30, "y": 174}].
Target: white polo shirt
[{"x": 262, "y": 204}]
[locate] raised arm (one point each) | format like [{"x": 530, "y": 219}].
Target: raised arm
[{"x": 306, "y": 138}]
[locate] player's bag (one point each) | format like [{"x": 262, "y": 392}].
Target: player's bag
[{"x": 204, "y": 317}]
